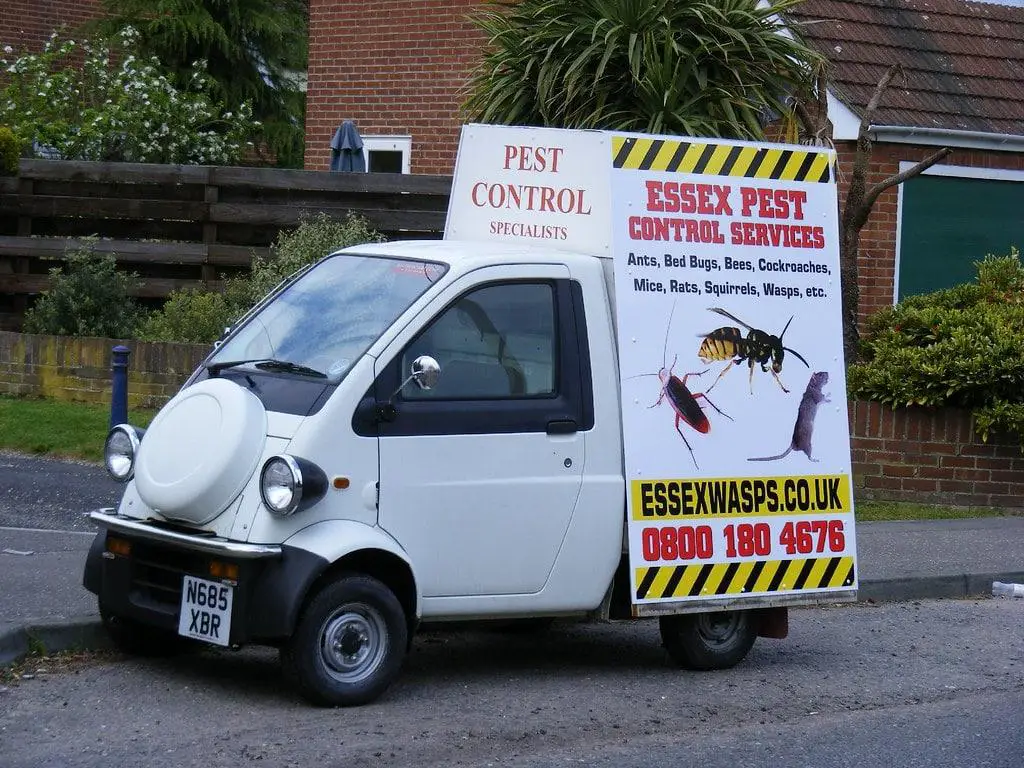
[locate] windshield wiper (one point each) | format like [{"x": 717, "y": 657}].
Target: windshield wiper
[{"x": 266, "y": 364}]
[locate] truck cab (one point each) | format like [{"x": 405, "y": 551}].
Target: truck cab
[{"x": 311, "y": 450}]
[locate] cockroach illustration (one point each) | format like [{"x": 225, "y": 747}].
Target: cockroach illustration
[{"x": 683, "y": 401}]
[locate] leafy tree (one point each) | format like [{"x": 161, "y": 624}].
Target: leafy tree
[
  {"x": 88, "y": 297},
  {"x": 101, "y": 101},
  {"x": 255, "y": 51},
  {"x": 688, "y": 67}
]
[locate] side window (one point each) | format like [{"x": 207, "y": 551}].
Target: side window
[{"x": 500, "y": 341}]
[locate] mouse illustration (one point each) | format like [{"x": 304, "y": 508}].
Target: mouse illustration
[{"x": 803, "y": 430}]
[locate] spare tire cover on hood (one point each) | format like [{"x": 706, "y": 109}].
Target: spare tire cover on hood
[{"x": 200, "y": 451}]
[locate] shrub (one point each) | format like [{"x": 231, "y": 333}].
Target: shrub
[
  {"x": 10, "y": 151},
  {"x": 191, "y": 316},
  {"x": 88, "y": 297},
  {"x": 201, "y": 316},
  {"x": 314, "y": 238},
  {"x": 959, "y": 347},
  {"x": 102, "y": 101}
]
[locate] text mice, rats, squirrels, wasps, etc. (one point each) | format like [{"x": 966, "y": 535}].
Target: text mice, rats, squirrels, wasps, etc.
[{"x": 803, "y": 429}]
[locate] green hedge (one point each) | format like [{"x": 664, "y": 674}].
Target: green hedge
[{"x": 961, "y": 347}]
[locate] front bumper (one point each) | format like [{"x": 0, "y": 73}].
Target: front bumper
[{"x": 145, "y": 584}]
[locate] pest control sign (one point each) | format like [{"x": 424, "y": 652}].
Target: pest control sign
[
  {"x": 736, "y": 442},
  {"x": 727, "y": 301},
  {"x": 532, "y": 186}
]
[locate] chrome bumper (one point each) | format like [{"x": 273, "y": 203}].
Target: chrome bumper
[{"x": 144, "y": 529}]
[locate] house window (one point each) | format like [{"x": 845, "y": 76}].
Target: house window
[
  {"x": 950, "y": 217},
  {"x": 387, "y": 154}
]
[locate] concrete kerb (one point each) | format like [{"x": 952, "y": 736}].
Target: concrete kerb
[
  {"x": 86, "y": 633},
  {"x": 934, "y": 587}
]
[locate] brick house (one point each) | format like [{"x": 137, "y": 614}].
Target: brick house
[
  {"x": 28, "y": 23},
  {"x": 399, "y": 73}
]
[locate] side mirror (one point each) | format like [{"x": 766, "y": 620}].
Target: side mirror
[{"x": 425, "y": 371}]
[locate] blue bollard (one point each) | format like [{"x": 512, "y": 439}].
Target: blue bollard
[{"x": 119, "y": 386}]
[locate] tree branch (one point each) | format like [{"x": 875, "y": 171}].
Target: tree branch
[
  {"x": 872, "y": 194},
  {"x": 876, "y": 97}
]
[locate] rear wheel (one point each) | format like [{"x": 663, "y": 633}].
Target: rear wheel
[
  {"x": 717, "y": 640},
  {"x": 349, "y": 643}
]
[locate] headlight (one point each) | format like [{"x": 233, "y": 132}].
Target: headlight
[
  {"x": 120, "y": 450},
  {"x": 288, "y": 484}
]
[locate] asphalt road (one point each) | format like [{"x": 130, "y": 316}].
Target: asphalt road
[
  {"x": 929, "y": 684},
  {"x": 36, "y": 492}
]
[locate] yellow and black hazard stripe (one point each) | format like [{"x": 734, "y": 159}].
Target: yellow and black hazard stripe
[
  {"x": 749, "y": 162},
  {"x": 750, "y": 577}
]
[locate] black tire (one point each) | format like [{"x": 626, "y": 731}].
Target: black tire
[
  {"x": 137, "y": 639},
  {"x": 349, "y": 644},
  {"x": 702, "y": 641}
]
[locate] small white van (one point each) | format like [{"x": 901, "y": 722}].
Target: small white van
[{"x": 465, "y": 429}]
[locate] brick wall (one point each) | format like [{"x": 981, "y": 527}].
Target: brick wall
[
  {"x": 395, "y": 67},
  {"x": 78, "y": 369},
  {"x": 932, "y": 456},
  {"x": 29, "y": 23}
]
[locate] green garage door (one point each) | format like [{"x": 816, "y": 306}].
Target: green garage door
[{"x": 949, "y": 222}]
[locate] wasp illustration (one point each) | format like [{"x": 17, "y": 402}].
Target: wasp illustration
[
  {"x": 729, "y": 343},
  {"x": 683, "y": 401}
]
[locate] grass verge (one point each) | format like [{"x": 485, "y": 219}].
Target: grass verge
[
  {"x": 868, "y": 511},
  {"x": 58, "y": 429}
]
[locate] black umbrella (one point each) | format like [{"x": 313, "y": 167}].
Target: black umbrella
[{"x": 347, "y": 149}]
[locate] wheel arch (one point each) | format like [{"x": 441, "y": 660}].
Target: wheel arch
[{"x": 352, "y": 547}]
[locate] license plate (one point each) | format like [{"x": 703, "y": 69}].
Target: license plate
[{"x": 205, "y": 610}]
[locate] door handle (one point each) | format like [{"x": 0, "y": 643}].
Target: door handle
[{"x": 562, "y": 427}]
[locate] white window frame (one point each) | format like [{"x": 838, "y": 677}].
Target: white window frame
[{"x": 401, "y": 144}]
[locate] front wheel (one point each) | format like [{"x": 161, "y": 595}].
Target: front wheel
[
  {"x": 717, "y": 640},
  {"x": 349, "y": 643}
]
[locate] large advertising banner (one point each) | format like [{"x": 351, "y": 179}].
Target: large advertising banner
[{"x": 736, "y": 441}]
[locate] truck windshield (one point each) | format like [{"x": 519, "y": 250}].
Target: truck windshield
[{"x": 327, "y": 318}]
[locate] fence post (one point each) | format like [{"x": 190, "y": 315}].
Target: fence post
[{"x": 119, "y": 388}]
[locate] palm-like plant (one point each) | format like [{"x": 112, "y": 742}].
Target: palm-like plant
[{"x": 688, "y": 67}]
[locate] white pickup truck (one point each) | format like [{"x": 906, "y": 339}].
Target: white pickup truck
[{"x": 425, "y": 431}]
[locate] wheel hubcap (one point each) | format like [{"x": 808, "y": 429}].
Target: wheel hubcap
[
  {"x": 353, "y": 642},
  {"x": 718, "y": 628}
]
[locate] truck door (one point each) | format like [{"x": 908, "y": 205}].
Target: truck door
[{"x": 479, "y": 476}]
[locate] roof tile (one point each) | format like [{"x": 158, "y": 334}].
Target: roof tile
[{"x": 963, "y": 61}]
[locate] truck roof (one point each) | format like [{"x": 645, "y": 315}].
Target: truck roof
[{"x": 464, "y": 252}]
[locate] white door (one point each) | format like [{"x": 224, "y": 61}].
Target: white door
[{"x": 480, "y": 475}]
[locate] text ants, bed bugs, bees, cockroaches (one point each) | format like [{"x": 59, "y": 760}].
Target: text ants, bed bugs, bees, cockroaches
[
  {"x": 729, "y": 343},
  {"x": 683, "y": 401}
]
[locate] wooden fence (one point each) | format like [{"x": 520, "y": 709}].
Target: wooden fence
[{"x": 180, "y": 226}]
